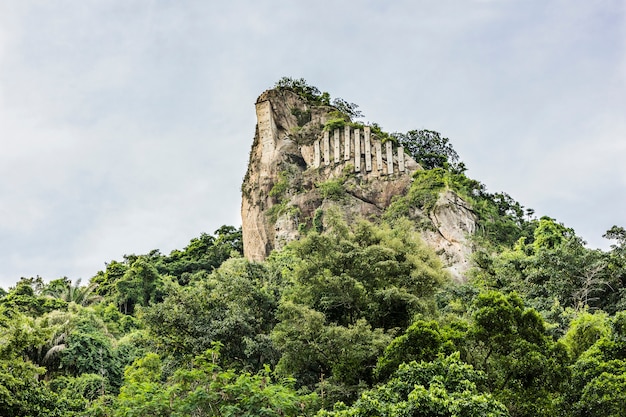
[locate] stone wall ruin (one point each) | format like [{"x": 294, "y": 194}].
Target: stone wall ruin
[
  {"x": 362, "y": 148},
  {"x": 356, "y": 146},
  {"x": 347, "y": 145}
]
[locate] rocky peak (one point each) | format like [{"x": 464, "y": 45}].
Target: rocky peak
[{"x": 307, "y": 157}]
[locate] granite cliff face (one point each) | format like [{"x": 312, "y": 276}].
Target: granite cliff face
[{"x": 303, "y": 161}]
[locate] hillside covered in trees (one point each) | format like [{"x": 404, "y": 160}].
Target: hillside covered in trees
[{"x": 354, "y": 318}]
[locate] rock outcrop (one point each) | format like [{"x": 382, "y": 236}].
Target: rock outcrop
[
  {"x": 453, "y": 222},
  {"x": 305, "y": 158}
]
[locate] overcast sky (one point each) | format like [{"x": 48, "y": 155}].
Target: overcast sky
[{"x": 125, "y": 125}]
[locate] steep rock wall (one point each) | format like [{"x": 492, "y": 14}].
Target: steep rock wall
[{"x": 453, "y": 222}]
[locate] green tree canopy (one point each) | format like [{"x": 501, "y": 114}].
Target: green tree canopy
[
  {"x": 430, "y": 150},
  {"x": 445, "y": 386}
]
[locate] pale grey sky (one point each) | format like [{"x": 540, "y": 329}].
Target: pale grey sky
[{"x": 125, "y": 125}]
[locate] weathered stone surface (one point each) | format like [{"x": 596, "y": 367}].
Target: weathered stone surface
[
  {"x": 368, "y": 148},
  {"x": 357, "y": 150},
  {"x": 281, "y": 192},
  {"x": 379, "y": 156},
  {"x": 400, "y": 159},
  {"x": 346, "y": 143},
  {"x": 316, "y": 150},
  {"x": 454, "y": 223},
  {"x": 389, "y": 157},
  {"x": 326, "y": 148}
]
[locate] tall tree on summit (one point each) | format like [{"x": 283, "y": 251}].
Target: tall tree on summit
[{"x": 430, "y": 150}]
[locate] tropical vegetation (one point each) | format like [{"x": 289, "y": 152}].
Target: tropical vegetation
[{"x": 353, "y": 319}]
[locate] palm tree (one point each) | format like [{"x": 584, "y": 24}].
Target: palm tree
[
  {"x": 59, "y": 325},
  {"x": 63, "y": 289}
]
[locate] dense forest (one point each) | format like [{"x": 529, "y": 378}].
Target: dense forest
[{"x": 353, "y": 319}]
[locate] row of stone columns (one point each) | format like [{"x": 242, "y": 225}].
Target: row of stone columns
[{"x": 352, "y": 140}]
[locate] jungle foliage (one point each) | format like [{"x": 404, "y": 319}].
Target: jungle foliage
[
  {"x": 353, "y": 319},
  {"x": 356, "y": 320}
]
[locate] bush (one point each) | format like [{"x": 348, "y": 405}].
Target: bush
[
  {"x": 335, "y": 123},
  {"x": 332, "y": 189}
]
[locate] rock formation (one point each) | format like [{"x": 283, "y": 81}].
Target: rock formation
[{"x": 306, "y": 158}]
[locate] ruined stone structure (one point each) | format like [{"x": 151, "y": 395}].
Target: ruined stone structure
[
  {"x": 348, "y": 144},
  {"x": 293, "y": 156},
  {"x": 361, "y": 151}
]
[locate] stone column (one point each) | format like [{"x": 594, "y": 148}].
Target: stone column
[
  {"x": 316, "y": 151},
  {"x": 326, "y": 148},
  {"x": 337, "y": 146},
  {"x": 357, "y": 150},
  {"x": 379, "y": 155},
  {"x": 346, "y": 143},
  {"x": 401, "y": 158},
  {"x": 389, "y": 157},
  {"x": 368, "y": 148}
]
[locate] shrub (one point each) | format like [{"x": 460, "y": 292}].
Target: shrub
[{"x": 332, "y": 189}]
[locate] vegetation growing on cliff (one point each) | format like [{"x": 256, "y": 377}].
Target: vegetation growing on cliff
[{"x": 313, "y": 96}]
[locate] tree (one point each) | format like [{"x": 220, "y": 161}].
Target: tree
[
  {"x": 63, "y": 289},
  {"x": 555, "y": 269},
  {"x": 430, "y": 150},
  {"x": 549, "y": 234},
  {"x": 605, "y": 395},
  {"x": 597, "y": 384},
  {"x": 141, "y": 284},
  {"x": 23, "y": 394},
  {"x": 234, "y": 306},
  {"x": 616, "y": 265},
  {"x": 616, "y": 233},
  {"x": 443, "y": 387},
  {"x": 204, "y": 253},
  {"x": 23, "y": 391},
  {"x": 336, "y": 361},
  {"x": 584, "y": 331},
  {"x": 349, "y": 109},
  {"x": 509, "y": 342},
  {"x": 384, "y": 274},
  {"x": 349, "y": 288},
  {"x": 422, "y": 341},
  {"x": 106, "y": 279},
  {"x": 26, "y": 297},
  {"x": 308, "y": 92},
  {"x": 206, "y": 389}
]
